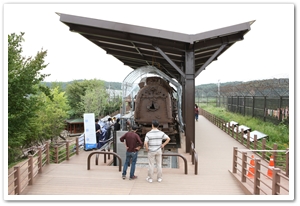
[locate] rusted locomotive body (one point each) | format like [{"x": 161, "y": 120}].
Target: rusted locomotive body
[{"x": 155, "y": 100}]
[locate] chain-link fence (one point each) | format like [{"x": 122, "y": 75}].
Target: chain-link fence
[{"x": 265, "y": 99}]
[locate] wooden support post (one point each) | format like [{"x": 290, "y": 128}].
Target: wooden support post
[
  {"x": 17, "y": 180},
  {"x": 30, "y": 170},
  {"x": 40, "y": 170},
  {"x": 256, "y": 182},
  {"x": 234, "y": 159},
  {"x": 244, "y": 167}
]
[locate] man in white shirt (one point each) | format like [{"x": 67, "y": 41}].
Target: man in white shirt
[{"x": 153, "y": 145}]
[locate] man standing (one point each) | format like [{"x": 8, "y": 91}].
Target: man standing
[
  {"x": 98, "y": 132},
  {"x": 153, "y": 145},
  {"x": 196, "y": 112},
  {"x": 117, "y": 125},
  {"x": 108, "y": 126},
  {"x": 133, "y": 144}
]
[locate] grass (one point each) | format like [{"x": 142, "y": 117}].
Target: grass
[{"x": 278, "y": 134}]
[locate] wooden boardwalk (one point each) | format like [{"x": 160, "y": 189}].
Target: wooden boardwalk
[{"x": 71, "y": 180}]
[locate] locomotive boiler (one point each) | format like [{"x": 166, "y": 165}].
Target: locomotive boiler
[{"x": 156, "y": 100}]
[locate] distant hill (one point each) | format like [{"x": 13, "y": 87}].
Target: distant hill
[
  {"x": 118, "y": 85},
  {"x": 108, "y": 85},
  {"x": 215, "y": 84}
]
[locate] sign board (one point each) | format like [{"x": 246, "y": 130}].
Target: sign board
[
  {"x": 89, "y": 131},
  {"x": 245, "y": 128},
  {"x": 229, "y": 124},
  {"x": 258, "y": 134}
]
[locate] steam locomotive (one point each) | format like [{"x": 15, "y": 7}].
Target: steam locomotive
[{"x": 156, "y": 100}]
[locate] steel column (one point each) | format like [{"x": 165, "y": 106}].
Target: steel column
[{"x": 189, "y": 97}]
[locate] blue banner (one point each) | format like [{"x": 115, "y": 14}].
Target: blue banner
[{"x": 89, "y": 131}]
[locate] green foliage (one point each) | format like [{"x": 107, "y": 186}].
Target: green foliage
[
  {"x": 52, "y": 115},
  {"x": 112, "y": 106},
  {"x": 277, "y": 134},
  {"x": 75, "y": 93},
  {"x": 37, "y": 112},
  {"x": 95, "y": 101},
  {"x": 23, "y": 84}
]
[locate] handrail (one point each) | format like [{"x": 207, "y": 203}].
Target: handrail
[
  {"x": 282, "y": 160},
  {"x": 23, "y": 174},
  {"x": 102, "y": 152},
  {"x": 196, "y": 162},
  {"x": 192, "y": 150},
  {"x": 178, "y": 155},
  {"x": 194, "y": 157},
  {"x": 107, "y": 145},
  {"x": 274, "y": 178}
]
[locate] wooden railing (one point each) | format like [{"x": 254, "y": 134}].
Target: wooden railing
[
  {"x": 260, "y": 146},
  {"x": 23, "y": 174},
  {"x": 264, "y": 179}
]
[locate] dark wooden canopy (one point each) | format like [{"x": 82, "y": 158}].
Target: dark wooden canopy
[{"x": 180, "y": 56}]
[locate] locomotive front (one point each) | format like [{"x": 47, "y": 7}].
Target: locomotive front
[{"x": 155, "y": 101}]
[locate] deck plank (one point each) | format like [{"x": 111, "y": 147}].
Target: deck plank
[{"x": 214, "y": 148}]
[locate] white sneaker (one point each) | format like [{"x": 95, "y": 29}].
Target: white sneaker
[
  {"x": 149, "y": 179},
  {"x": 159, "y": 180}
]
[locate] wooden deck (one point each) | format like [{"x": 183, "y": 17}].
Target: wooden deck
[{"x": 71, "y": 180}]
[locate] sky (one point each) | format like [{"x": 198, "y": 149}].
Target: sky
[{"x": 267, "y": 50}]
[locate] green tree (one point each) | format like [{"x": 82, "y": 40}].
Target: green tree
[
  {"x": 76, "y": 92},
  {"x": 24, "y": 77},
  {"x": 95, "y": 101},
  {"x": 51, "y": 117}
]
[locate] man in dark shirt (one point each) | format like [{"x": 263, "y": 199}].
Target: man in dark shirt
[
  {"x": 133, "y": 144},
  {"x": 117, "y": 125},
  {"x": 98, "y": 132}
]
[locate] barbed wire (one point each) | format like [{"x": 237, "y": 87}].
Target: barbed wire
[{"x": 269, "y": 87}]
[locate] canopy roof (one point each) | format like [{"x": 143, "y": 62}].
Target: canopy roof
[{"x": 138, "y": 46}]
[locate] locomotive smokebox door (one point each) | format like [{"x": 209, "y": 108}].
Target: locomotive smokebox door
[{"x": 155, "y": 101}]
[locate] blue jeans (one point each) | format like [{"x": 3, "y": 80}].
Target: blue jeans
[
  {"x": 196, "y": 116},
  {"x": 133, "y": 156}
]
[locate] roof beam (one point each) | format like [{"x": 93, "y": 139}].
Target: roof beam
[
  {"x": 210, "y": 59},
  {"x": 115, "y": 35},
  {"x": 132, "y": 55},
  {"x": 169, "y": 60},
  {"x": 217, "y": 42}
]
